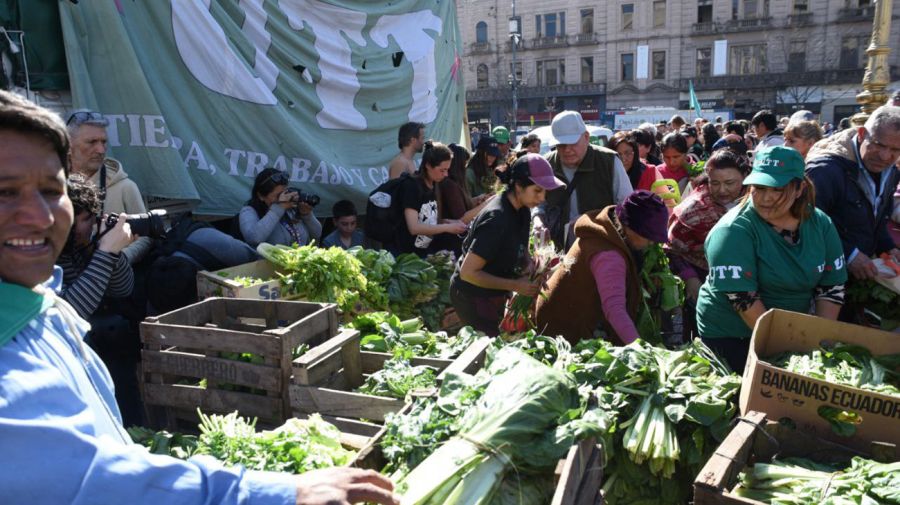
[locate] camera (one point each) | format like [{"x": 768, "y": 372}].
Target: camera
[
  {"x": 310, "y": 199},
  {"x": 149, "y": 224}
]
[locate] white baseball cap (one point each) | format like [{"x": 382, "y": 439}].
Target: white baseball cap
[{"x": 567, "y": 128}]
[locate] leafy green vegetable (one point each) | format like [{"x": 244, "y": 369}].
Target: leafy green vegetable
[
  {"x": 299, "y": 445},
  {"x": 662, "y": 290},
  {"x": 413, "y": 281},
  {"x": 398, "y": 378},
  {"x": 432, "y": 311},
  {"x": 877, "y": 299},
  {"x": 385, "y": 332},
  {"x": 799, "y": 481},
  {"x": 162, "y": 442}
]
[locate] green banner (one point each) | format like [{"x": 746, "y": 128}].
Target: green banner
[{"x": 202, "y": 95}]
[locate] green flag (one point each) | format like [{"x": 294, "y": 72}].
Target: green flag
[
  {"x": 695, "y": 104},
  {"x": 201, "y": 96}
]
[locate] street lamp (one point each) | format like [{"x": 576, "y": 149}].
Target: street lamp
[
  {"x": 515, "y": 34},
  {"x": 877, "y": 75}
]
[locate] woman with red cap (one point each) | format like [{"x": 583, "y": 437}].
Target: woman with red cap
[
  {"x": 495, "y": 251},
  {"x": 604, "y": 272}
]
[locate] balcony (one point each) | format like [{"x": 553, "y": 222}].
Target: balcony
[
  {"x": 707, "y": 27},
  {"x": 585, "y": 39},
  {"x": 479, "y": 48},
  {"x": 549, "y": 42},
  {"x": 856, "y": 14},
  {"x": 800, "y": 19},
  {"x": 505, "y": 93},
  {"x": 764, "y": 80},
  {"x": 747, "y": 24},
  {"x": 520, "y": 46}
]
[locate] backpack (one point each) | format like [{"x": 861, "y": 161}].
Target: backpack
[{"x": 384, "y": 210}]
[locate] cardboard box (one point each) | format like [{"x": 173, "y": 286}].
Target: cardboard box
[
  {"x": 757, "y": 439},
  {"x": 781, "y": 394},
  {"x": 221, "y": 283}
]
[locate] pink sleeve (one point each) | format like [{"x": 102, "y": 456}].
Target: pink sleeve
[{"x": 609, "y": 270}]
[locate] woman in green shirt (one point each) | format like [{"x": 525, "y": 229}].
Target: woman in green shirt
[{"x": 774, "y": 250}]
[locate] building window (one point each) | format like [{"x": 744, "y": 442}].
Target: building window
[
  {"x": 628, "y": 67},
  {"x": 659, "y": 65},
  {"x": 551, "y": 72},
  {"x": 747, "y": 60},
  {"x": 750, "y": 8},
  {"x": 481, "y": 77},
  {"x": 481, "y": 32},
  {"x": 627, "y": 16},
  {"x": 797, "y": 56},
  {"x": 704, "y": 11},
  {"x": 734, "y": 8},
  {"x": 704, "y": 62},
  {"x": 801, "y": 6},
  {"x": 587, "y": 21},
  {"x": 659, "y": 13},
  {"x": 587, "y": 69},
  {"x": 538, "y": 29},
  {"x": 853, "y": 51},
  {"x": 550, "y": 25}
]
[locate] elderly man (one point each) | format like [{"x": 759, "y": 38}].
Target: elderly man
[
  {"x": 118, "y": 193},
  {"x": 57, "y": 414},
  {"x": 855, "y": 175},
  {"x": 595, "y": 176}
]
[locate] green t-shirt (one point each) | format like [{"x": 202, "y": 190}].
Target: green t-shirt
[{"x": 746, "y": 254}]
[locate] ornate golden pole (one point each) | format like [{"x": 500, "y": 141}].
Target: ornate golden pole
[{"x": 877, "y": 75}]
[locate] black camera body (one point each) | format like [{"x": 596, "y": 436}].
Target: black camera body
[
  {"x": 310, "y": 199},
  {"x": 149, "y": 224}
]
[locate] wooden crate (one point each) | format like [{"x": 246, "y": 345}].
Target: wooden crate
[
  {"x": 184, "y": 346},
  {"x": 325, "y": 377},
  {"x": 755, "y": 439},
  {"x": 221, "y": 283}
]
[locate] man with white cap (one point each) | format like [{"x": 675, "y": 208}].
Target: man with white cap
[{"x": 595, "y": 176}]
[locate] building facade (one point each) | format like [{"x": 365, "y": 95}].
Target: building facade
[{"x": 741, "y": 55}]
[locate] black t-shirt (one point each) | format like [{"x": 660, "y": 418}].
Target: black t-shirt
[
  {"x": 415, "y": 195},
  {"x": 499, "y": 235}
]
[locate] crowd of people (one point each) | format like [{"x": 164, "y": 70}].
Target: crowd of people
[{"x": 752, "y": 215}]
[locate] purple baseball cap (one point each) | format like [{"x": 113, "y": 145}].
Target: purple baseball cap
[{"x": 539, "y": 171}]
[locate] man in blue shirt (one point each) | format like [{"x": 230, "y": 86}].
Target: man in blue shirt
[{"x": 61, "y": 431}]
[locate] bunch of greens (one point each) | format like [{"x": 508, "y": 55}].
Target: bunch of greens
[
  {"x": 162, "y": 442},
  {"x": 299, "y": 445},
  {"x": 662, "y": 291},
  {"x": 377, "y": 266},
  {"x": 244, "y": 281},
  {"x": 385, "y": 332},
  {"x": 850, "y": 365},
  {"x": 552, "y": 351},
  {"x": 696, "y": 169},
  {"x": 670, "y": 410},
  {"x": 319, "y": 275},
  {"x": 526, "y": 419},
  {"x": 798, "y": 481},
  {"x": 398, "y": 378},
  {"x": 874, "y": 297},
  {"x": 413, "y": 281},
  {"x": 432, "y": 311}
]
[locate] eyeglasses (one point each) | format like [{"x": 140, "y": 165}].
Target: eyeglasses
[
  {"x": 279, "y": 178},
  {"x": 80, "y": 117}
]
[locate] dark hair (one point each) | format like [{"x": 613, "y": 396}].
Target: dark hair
[
  {"x": 343, "y": 208},
  {"x": 675, "y": 141},
  {"x": 173, "y": 283},
  {"x": 517, "y": 174},
  {"x": 457, "y": 171},
  {"x": 677, "y": 120},
  {"x": 710, "y": 136},
  {"x": 529, "y": 139},
  {"x": 735, "y": 127},
  {"x": 264, "y": 183},
  {"x": 767, "y": 118},
  {"x": 479, "y": 165},
  {"x": 84, "y": 195},
  {"x": 21, "y": 116},
  {"x": 408, "y": 132},
  {"x": 643, "y": 137},
  {"x": 689, "y": 131},
  {"x": 626, "y": 138},
  {"x": 727, "y": 158},
  {"x": 844, "y": 123},
  {"x": 434, "y": 154}
]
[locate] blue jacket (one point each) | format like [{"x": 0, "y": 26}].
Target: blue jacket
[
  {"x": 62, "y": 437},
  {"x": 842, "y": 193}
]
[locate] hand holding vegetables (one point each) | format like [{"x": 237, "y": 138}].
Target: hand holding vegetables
[{"x": 340, "y": 486}]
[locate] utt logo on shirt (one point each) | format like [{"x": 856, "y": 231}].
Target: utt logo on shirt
[{"x": 726, "y": 272}]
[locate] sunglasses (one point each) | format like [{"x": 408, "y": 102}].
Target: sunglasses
[
  {"x": 87, "y": 117},
  {"x": 279, "y": 178}
]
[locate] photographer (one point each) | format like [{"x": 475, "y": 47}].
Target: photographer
[
  {"x": 92, "y": 263},
  {"x": 277, "y": 214}
]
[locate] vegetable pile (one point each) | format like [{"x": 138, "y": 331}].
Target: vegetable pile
[
  {"x": 850, "y": 365},
  {"x": 413, "y": 281},
  {"x": 398, "y": 378},
  {"x": 661, "y": 289},
  {"x": 875, "y": 298},
  {"x": 798, "y": 481},
  {"x": 299, "y": 445},
  {"x": 385, "y": 332}
]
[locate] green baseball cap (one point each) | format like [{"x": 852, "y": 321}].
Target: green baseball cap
[
  {"x": 500, "y": 134},
  {"x": 775, "y": 166}
]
